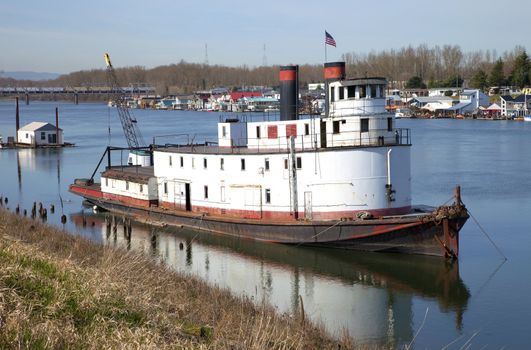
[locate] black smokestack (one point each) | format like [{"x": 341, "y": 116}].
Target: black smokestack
[
  {"x": 289, "y": 92},
  {"x": 332, "y": 71}
]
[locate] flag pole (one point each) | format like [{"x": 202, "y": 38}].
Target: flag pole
[
  {"x": 326, "y": 82},
  {"x": 326, "y": 59}
]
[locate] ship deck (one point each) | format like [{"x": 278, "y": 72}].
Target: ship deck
[{"x": 215, "y": 149}]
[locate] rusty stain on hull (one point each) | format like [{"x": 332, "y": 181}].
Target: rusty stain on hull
[{"x": 434, "y": 233}]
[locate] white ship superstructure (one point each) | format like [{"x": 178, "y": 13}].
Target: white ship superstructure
[
  {"x": 315, "y": 168},
  {"x": 342, "y": 179}
]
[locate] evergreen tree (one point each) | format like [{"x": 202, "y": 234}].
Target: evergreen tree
[
  {"x": 453, "y": 81},
  {"x": 497, "y": 78},
  {"x": 479, "y": 80},
  {"x": 520, "y": 73},
  {"x": 415, "y": 83}
]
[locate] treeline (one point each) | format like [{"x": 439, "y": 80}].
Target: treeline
[{"x": 420, "y": 66}]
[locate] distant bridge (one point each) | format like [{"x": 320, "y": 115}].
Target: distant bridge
[
  {"x": 73, "y": 92},
  {"x": 10, "y": 91}
]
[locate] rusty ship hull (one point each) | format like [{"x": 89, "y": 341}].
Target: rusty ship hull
[{"x": 428, "y": 232}]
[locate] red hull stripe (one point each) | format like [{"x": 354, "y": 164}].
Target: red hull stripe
[
  {"x": 86, "y": 192},
  {"x": 276, "y": 215},
  {"x": 236, "y": 213}
]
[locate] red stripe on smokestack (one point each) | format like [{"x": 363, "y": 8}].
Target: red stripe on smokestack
[
  {"x": 334, "y": 71},
  {"x": 288, "y": 75}
]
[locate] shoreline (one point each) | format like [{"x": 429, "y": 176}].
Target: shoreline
[{"x": 61, "y": 290}]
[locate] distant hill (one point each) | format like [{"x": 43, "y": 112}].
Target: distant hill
[{"x": 24, "y": 75}]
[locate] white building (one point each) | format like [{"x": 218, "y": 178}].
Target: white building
[
  {"x": 452, "y": 91},
  {"x": 471, "y": 100},
  {"x": 515, "y": 106},
  {"x": 39, "y": 134},
  {"x": 316, "y": 86}
]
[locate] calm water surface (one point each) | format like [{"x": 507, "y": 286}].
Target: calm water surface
[{"x": 379, "y": 298}]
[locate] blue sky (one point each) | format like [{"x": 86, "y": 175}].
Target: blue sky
[{"x": 65, "y": 36}]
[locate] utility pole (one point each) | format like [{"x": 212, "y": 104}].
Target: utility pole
[{"x": 264, "y": 57}]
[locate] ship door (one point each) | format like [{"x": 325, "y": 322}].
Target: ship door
[
  {"x": 188, "y": 197},
  {"x": 308, "y": 205},
  {"x": 323, "y": 134}
]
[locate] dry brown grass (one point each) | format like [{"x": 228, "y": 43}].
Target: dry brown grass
[{"x": 62, "y": 291}]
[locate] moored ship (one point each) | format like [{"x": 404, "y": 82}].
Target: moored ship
[{"x": 340, "y": 180}]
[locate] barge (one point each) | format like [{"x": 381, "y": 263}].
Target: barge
[{"x": 341, "y": 180}]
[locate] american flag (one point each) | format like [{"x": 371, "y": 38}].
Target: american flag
[{"x": 329, "y": 40}]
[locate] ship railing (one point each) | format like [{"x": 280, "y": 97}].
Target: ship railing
[{"x": 312, "y": 141}]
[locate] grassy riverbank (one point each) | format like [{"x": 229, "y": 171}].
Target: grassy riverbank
[{"x": 62, "y": 291}]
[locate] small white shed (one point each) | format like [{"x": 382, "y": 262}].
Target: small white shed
[{"x": 39, "y": 134}]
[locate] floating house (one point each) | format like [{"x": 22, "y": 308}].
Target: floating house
[{"x": 37, "y": 134}]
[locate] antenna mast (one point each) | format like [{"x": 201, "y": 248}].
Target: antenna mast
[{"x": 264, "y": 57}]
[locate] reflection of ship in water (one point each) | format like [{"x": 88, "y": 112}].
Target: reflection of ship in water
[{"x": 371, "y": 295}]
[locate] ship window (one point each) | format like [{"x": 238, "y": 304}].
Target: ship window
[
  {"x": 113, "y": 183},
  {"x": 222, "y": 194},
  {"x": 389, "y": 124},
  {"x": 268, "y": 196},
  {"x": 141, "y": 188},
  {"x": 127, "y": 185},
  {"x": 182, "y": 161},
  {"x": 363, "y": 91},
  {"x": 351, "y": 91},
  {"x": 335, "y": 126},
  {"x": 222, "y": 164},
  {"x": 205, "y": 163},
  {"x": 206, "y": 191},
  {"x": 106, "y": 182},
  {"x": 165, "y": 188},
  {"x": 299, "y": 163},
  {"x": 285, "y": 163},
  {"x": 306, "y": 129},
  {"x": 242, "y": 163},
  {"x": 341, "y": 93},
  {"x": 266, "y": 166},
  {"x": 258, "y": 132},
  {"x": 364, "y": 125},
  {"x": 193, "y": 163},
  {"x": 223, "y": 131},
  {"x": 332, "y": 94},
  {"x": 272, "y": 132},
  {"x": 170, "y": 161}
]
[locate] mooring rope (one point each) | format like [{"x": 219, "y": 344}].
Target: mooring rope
[
  {"x": 486, "y": 234},
  {"x": 323, "y": 231}
]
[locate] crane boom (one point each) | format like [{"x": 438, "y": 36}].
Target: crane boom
[{"x": 132, "y": 133}]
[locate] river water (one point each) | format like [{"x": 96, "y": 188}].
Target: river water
[{"x": 380, "y": 299}]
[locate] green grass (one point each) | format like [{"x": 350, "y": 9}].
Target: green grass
[{"x": 61, "y": 291}]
